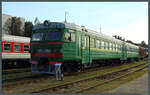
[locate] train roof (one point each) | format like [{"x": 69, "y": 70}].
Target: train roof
[
  {"x": 12, "y": 38},
  {"x": 131, "y": 45},
  {"x": 80, "y": 28},
  {"x": 76, "y": 27}
]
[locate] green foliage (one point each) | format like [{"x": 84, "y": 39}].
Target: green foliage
[
  {"x": 28, "y": 28},
  {"x": 143, "y": 44},
  {"x": 16, "y": 27},
  {"x": 7, "y": 26}
]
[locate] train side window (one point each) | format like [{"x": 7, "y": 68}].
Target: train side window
[
  {"x": 97, "y": 43},
  {"x": 70, "y": 36},
  {"x": 106, "y": 45},
  {"x": 17, "y": 47},
  {"x": 110, "y": 46},
  {"x": 85, "y": 41},
  {"x": 7, "y": 46},
  {"x": 26, "y": 47},
  {"x": 102, "y": 45},
  {"x": 92, "y": 43},
  {"x": 116, "y": 47},
  {"x": 73, "y": 37}
]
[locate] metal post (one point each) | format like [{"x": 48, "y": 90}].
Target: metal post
[{"x": 59, "y": 75}]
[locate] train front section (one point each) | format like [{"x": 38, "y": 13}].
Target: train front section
[{"x": 46, "y": 53}]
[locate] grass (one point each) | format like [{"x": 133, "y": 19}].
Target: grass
[
  {"x": 112, "y": 85},
  {"x": 50, "y": 82}
]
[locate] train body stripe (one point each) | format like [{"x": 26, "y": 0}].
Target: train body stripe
[
  {"x": 34, "y": 43},
  {"x": 47, "y": 54},
  {"x": 54, "y": 42},
  {"x": 12, "y": 47},
  {"x": 54, "y": 62}
]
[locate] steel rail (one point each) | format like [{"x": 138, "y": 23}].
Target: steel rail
[
  {"x": 108, "y": 81},
  {"x": 83, "y": 80}
]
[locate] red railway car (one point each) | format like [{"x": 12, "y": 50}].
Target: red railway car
[
  {"x": 15, "y": 49},
  {"x": 143, "y": 53}
]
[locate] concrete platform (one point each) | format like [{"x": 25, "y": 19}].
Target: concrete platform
[{"x": 139, "y": 85}]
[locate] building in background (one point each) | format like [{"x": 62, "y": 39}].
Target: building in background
[{"x": 5, "y": 21}]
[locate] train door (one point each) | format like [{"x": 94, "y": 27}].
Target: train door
[
  {"x": 124, "y": 51},
  {"x": 85, "y": 49}
]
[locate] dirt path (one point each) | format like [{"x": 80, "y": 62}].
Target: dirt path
[{"x": 139, "y": 85}]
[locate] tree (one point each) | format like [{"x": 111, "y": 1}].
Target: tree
[
  {"x": 36, "y": 21},
  {"x": 16, "y": 27},
  {"x": 129, "y": 41},
  {"x": 28, "y": 28},
  {"x": 143, "y": 44},
  {"x": 7, "y": 27}
]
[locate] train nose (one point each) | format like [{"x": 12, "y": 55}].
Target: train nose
[{"x": 42, "y": 64}]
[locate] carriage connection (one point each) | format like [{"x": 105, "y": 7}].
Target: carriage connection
[{"x": 73, "y": 47}]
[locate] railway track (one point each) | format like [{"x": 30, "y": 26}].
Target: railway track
[
  {"x": 29, "y": 77},
  {"x": 108, "y": 77},
  {"x": 19, "y": 74},
  {"x": 19, "y": 70}
]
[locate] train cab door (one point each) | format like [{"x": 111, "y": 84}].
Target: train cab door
[
  {"x": 85, "y": 49},
  {"x": 124, "y": 51}
]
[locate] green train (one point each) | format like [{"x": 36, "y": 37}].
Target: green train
[{"x": 75, "y": 47}]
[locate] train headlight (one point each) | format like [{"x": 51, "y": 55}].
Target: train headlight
[
  {"x": 47, "y": 50},
  {"x": 39, "y": 50}
]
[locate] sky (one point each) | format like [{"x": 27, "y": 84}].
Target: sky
[{"x": 126, "y": 19}]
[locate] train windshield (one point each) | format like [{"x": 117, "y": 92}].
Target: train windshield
[
  {"x": 53, "y": 36},
  {"x": 37, "y": 36}
]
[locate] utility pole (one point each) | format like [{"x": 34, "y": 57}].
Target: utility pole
[
  {"x": 100, "y": 28},
  {"x": 65, "y": 16}
]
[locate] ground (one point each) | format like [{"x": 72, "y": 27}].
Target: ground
[{"x": 139, "y": 85}]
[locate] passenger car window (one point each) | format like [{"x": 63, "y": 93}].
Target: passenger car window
[
  {"x": 26, "y": 47},
  {"x": 17, "y": 47},
  {"x": 7, "y": 47},
  {"x": 97, "y": 43}
]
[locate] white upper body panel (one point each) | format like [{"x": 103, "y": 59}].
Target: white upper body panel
[{"x": 12, "y": 38}]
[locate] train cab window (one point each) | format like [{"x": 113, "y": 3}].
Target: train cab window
[
  {"x": 7, "y": 47},
  {"x": 73, "y": 37},
  {"x": 17, "y": 47},
  {"x": 26, "y": 47},
  {"x": 37, "y": 36},
  {"x": 118, "y": 47},
  {"x": 70, "y": 36},
  {"x": 53, "y": 36}
]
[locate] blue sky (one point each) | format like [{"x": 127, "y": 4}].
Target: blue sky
[{"x": 127, "y": 19}]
